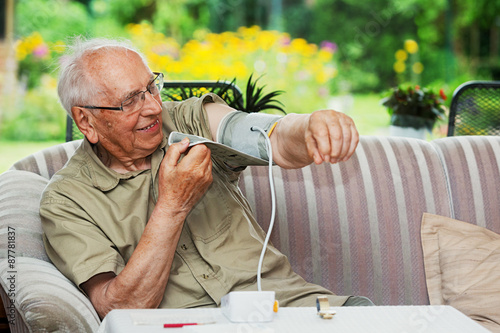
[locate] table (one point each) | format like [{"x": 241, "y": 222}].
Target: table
[{"x": 348, "y": 319}]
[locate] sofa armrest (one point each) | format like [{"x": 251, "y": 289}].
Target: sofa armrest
[{"x": 44, "y": 298}]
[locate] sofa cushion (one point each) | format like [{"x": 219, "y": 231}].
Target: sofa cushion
[{"x": 462, "y": 267}]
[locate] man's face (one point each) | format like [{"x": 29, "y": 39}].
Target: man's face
[{"x": 133, "y": 135}]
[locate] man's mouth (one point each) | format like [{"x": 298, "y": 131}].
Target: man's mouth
[{"x": 150, "y": 126}]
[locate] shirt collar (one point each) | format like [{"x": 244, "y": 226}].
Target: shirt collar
[{"x": 106, "y": 179}]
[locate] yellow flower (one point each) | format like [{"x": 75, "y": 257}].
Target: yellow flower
[
  {"x": 266, "y": 40},
  {"x": 324, "y": 55},
  {"x": 228, "y": 55},
  {"x": 411, "y": 46},
  {"x": 322, "y": 77},
  {"x": 401, "y": 55},
  {"x": 418, "y": 67},
  {"x": 134, "y": 29},
  {"x": 58, "y": 46},
  {"x": 299, "y": 45},
  {"x": 175, "y": 67},
  {"x": 399, "y": 67},
  {"x": 21, "y": 52}
]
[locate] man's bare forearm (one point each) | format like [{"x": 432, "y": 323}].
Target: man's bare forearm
[
  {"x": 287, "y": 139},
  {"x": 322, "y": 136},
  {"x": 142, "y": 283}
]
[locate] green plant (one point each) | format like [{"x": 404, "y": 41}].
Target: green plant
[
  {"x": 413, "y": 106},
  {"x": 254, "y": 99}
]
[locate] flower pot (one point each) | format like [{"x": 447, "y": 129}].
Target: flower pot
[{"x": 408, "y": 132}]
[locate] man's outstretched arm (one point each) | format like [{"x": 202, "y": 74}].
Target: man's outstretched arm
[{"x": 301, "y": 139}]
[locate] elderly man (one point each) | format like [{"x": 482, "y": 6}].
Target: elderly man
[{"x": 136, "y": 223}]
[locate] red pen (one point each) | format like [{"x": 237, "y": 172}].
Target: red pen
[{"x": 183, "y": 324}]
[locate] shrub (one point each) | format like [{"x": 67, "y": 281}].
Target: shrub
[
  {"x": 36, "y": 57},
  {"x": 38, "y": 116}
]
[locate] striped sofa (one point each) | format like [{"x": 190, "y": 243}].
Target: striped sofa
[{"x": 353, "y": 227}]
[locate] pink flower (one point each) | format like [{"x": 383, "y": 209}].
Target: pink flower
[
  {"x": 41, "y": 51},
  {"x": 285, "y": 40},
  {"x": 329, "y": 46}
]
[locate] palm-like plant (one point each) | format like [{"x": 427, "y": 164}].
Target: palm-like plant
[{"x": 255, "y": 99}]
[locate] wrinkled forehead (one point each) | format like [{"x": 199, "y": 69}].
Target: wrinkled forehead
[
  {"x": 111, "y": 60},
  {"x": 114, "y": 68}
]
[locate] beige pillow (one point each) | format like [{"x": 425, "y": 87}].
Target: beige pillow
[{"x": 462, "y": 268}]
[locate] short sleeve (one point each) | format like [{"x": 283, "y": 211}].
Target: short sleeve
[
  {"x": 76, "y": 245},
  {"x": 190, "y": 116}
]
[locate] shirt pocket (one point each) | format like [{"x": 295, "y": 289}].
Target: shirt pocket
[{"x": 211, "y": 216}]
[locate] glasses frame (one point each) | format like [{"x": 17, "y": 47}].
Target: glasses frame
[{"x": 120, "y": 108}]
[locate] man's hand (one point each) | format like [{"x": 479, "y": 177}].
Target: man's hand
[
  {"x": 182, "y": 183},
  {"x": 322, "y": 136},
  {"x": 330, "y": 137},
  {"x": 142, "y": 283}
]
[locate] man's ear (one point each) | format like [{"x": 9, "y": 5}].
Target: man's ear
[{"x": 85, "y": 122}]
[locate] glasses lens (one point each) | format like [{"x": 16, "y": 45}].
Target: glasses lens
[
  {"x": 136, "y": 102},
  {"x": 133, "y": 103},
  {"x": 157, "y": 84}
]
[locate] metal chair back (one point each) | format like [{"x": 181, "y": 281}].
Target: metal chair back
[
  {"x": 475, "y": 109},
  {"x": 177, "y": 91}
]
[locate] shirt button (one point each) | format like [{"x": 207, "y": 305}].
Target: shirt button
[
  {"x": 205, "y": 276},
  {"x": 184, "y": 247}
]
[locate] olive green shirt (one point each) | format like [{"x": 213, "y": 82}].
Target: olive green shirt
[{"x": 93, "y": 218}]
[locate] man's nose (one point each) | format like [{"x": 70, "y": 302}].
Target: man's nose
[{"x": 151, "y": 102}]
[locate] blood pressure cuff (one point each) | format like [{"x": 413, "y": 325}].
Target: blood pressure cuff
[{"x": 235, "y": 131}]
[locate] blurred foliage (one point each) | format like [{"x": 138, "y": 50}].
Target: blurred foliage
[
  {"x": 54, "y": 20},
  {"x": 369, "y": 32},
  {"x": 176, "y": 18},
  {"x": 36, "y": 57},
  {"x": 300, "y": 68},
  {"x": 38, "y": 115},
  {"x": 330, "y": 47}
]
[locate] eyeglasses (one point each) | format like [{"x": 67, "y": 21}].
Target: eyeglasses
[{"x": 136, "y": 101}]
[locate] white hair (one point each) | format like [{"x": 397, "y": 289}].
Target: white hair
[{"x": 76, "y": 86}]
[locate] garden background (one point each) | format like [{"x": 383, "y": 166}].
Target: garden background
[{"x": 341, "y": 54}]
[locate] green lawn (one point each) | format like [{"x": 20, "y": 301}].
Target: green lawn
[{"x": 369, "y": 116}]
